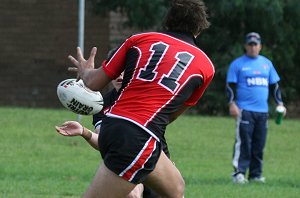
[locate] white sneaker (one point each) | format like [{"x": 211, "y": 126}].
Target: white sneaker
[
  {"x": 239, "y": 179},
  {"x": 258, "y": 179}
]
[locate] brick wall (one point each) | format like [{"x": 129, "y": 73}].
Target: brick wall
[{"x": 35, "y": 39}]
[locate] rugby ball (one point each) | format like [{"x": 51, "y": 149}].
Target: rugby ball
[{"x": 76, "y": 97}]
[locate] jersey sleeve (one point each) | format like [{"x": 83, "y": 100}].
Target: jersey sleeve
[
  {"x": 207, "y": 76},
  {"x": 199, "y": 92},
  {"x": 115, "y": 65},
  {"x": 232, "y": 73}
]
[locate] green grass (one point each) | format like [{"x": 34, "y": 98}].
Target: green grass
[{"x": 37, "y": 162}]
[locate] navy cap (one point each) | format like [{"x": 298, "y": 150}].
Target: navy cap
[{"x": 252, "y": 37}]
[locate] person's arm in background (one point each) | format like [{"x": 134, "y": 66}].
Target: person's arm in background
[
  {"x": 73, "y": 128},
  {"x": 275, "y": 90},
  {"x": 233, "y": 108}
]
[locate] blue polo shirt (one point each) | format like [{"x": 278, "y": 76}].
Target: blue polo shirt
[{"x": 252, "y": 77}]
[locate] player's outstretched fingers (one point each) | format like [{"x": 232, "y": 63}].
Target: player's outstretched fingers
[
  {"x": 79, "y": 54},
  {"x": 73, "y": 60},
  {"x": 73, "y": 69},
  {"x": 93, "y": 54}
]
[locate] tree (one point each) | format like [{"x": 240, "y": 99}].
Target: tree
[
  {"x": 278, "y": 22},
  {"x": 142, "y": 14}
]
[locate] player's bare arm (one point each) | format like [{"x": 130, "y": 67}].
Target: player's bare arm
[
  {"x": 181, "y": 110},
  {"x": 73, "y": 128},
  {"x": 95, "y": 79}
]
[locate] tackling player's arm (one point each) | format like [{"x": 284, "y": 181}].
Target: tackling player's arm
[
  {"x": 90, "y": 137},
  {"x": 73, "y": 128}
]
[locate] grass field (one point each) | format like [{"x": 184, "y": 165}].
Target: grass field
[{"x": 37, "y": 162}]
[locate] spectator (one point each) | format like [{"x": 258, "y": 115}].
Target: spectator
[{"x": 249, "y": 79}]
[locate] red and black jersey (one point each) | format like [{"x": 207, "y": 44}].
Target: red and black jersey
[{"x": 163, "y": 71}]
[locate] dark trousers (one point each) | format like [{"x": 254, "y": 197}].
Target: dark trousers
[{"x": 251, "y": 133}]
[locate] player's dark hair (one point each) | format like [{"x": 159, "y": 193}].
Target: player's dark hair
[{"x": 186, "y": 16}]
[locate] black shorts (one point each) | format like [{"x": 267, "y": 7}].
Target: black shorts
[{"x": 127, "y": 149}]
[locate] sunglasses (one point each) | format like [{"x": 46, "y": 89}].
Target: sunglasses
[{"x": 252, "y": 44}]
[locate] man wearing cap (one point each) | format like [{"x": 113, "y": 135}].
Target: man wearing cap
[{"x": 250, "y": 77}]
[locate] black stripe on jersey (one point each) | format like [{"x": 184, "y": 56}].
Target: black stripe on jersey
[
  {"x": 158, "y": 124},
  {"x": 131, "y": 61}
]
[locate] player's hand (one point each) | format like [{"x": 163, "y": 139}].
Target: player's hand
[
  {"x": 70, "y": 128},
  {"x": 82, "y": 64},
  {"x": 234, "y": 111}
]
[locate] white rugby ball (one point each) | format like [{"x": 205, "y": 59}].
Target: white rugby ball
[{"x": 76, "y": 97}]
